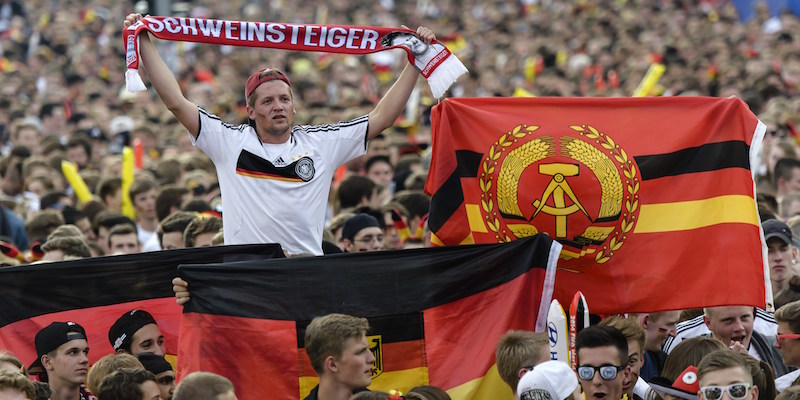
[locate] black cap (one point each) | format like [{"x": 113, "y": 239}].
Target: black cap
[
  {"x": 774, "y": 228},
  {"x": 121, "y": 333},
  {"x": 51, "y": 337},
  {"x": 154, "y": 363},
  {"x": 356, "y": 223}
]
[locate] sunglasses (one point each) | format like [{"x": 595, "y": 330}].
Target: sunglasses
[
  {"x": 607, "y": 372},
  {"x": 781, "y": 338},
  {"x": 737, "y": 391}
]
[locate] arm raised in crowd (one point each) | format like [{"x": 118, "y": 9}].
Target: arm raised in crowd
[
  {"x": 393, "y": 102},
  {"x": 164, "y": 82}
]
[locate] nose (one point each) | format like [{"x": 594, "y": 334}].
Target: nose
[
  {"x": 371, "y": 358},
  {"x": 597, "y": 380}
]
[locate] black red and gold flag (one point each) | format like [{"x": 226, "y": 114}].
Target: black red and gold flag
[
  {"x": 644, "y": 194},
  {"x": 94, "y": 292},
  {"x": 435, "y": 315}
]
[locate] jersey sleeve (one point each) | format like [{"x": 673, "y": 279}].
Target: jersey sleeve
[
  {"x": 214, "y": 136},
  {"x": 343, "y": 141}
]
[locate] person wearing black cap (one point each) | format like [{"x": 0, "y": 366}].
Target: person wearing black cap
[
  {"x": 162, "y": 369},
  {"x": 63, "y": 360},
  {"x": 136, "y": 332},
  {"x": 362, "y": 232},
  {"x": 275, "y": 175},
  {"x": 782, "y": 255}
]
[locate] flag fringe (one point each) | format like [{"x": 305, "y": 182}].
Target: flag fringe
[
  {"x": 445, "y": 75},
  {"x": 133, "y": 82}
]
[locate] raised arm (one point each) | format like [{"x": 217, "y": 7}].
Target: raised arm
[
  {"x": 393, "y": 102},
  {"x": 164, "y": 82}
]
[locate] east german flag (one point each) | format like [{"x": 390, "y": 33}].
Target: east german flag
[
  {"x": 652, "y": 198},
  {"x": 435, "y": 315},
  {"x": 94, "y": 292}
]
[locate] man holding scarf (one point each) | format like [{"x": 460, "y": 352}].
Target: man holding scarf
[{"x": 275, "y": 176}]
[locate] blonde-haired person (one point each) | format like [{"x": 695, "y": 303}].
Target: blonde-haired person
[
  {"x": 15, "y": 386},
  {"x": 106, "y": 365},
  {"x": 10, "y": 362}
]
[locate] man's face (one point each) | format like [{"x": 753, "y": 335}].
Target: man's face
[
  {"x": 166, "y": 383},
  {"x": 53, "y": 255},
  {"x": 391, "y": 239},
  {"x": 790, "y": 348},
  {"x": 126, "y": 243},
  {"x": 416, "y": 45},
  {"x": 273, "y": 110},
  {"x": 792, "y": 210},
  {"x": 29, "y": 137},
  {"x": 780, "y": 256},
  {"x": 145, "y": 203},
  {"x": 380, "y": 172},
  {"x": 148, "y": 339},
  {"x": 658, "y": 328},
  {"x": 71, "y": 362},
  {"x": 77, "y": 155},
  {"x": 635, "y": 362},
  {"x": 86, "y": 229},
  {"x": 791, "y": 184},
  {"x": 204, "y": 239},
  {"x": 150, "y": 390},
  {"x": 172, "y": 240},
  {"x": 102, "y": 239},
  {"x": 367, "y": 239},
  {"x": 725, "y": 377},
  {"x": 597, "y": 387},
  {"x": 731, "y": 324},
  {"x": 354, "y": 366}
]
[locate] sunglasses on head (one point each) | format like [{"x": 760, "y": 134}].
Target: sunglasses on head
[
  {"x": 607, "y": 372},
  {"x": 737, "y": 391}
]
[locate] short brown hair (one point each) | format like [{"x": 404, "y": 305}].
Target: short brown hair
[
  {"x": 15, "y": 380},
  {"x": 790, "y": 315},
  {"x": 140, "y": 186},
  {"x": 121, "y": 229},
  {"x": 629, "y": 327},
  {"x": 723, "y": 359},
  {"x": 326, "y": 336},
  {"x": 9, "y": 357},
  {"x": 202, "y": 386},
  {"x": 72, "y": 246},
  {"x": 106, "y": 365},
  {"x": 518, "y": 349},
  {"x": 201, "y": 224}
]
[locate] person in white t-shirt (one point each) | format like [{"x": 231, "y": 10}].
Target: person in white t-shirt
[{"x": 275, "y": 176}]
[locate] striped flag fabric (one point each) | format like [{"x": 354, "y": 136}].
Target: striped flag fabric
[
  {"x": 435, "y": 315},
  {"x": 94, "y": 292},
  {"x": 642, "y": 193}
]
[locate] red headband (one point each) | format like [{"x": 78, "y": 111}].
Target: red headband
[{"x": 257, "y": 79}]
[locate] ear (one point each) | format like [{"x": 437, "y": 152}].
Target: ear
[
  {"x": 794, "y": 254},
  {"x": 707, "y": 321},
  {"x": 521, "y": 372},
  {"x": 121, "y": 351},
  {"x": 754, "y": 393},
  {"x": 330, "y": 364},
  {"x": 250, "y": 112},
  {"x": 348, "y": 245},
  {"x": 47, "y": 362},
  {"x": 294, "y": 110},
  {"x": 644, "y": 320}
]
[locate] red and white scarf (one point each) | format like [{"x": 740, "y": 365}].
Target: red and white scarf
[{"x": 434, "y": 61}]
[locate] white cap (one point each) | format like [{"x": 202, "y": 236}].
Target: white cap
[
  {"x": 553, "y": 380},
  {"x": 120, "y": 124}
]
